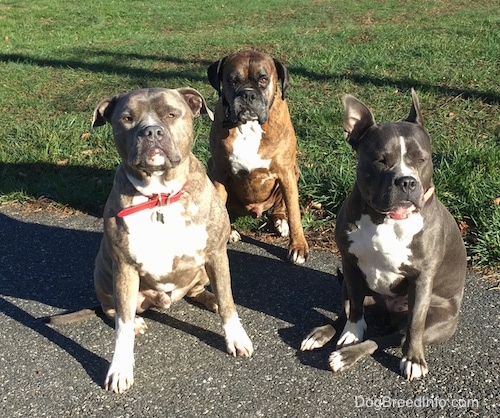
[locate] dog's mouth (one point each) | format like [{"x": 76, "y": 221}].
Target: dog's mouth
[
  {"x": 240, "y": 112},
  {"x": 403, "y": 211},
  {"x": 155, "y": 157},
  {"x": 247, "y": 115},
  {"x": 406, "y": 208}
]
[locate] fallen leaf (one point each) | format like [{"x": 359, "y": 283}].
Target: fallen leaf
[
  {"x": 88, "y": 152},
  {"x": 496, "y": 201},
  {"x": 464, "y": 227},
  {"x": 316, "y": 205},
  {"x": 62, "y": 162},
  {"x": 85, "y": 135}
]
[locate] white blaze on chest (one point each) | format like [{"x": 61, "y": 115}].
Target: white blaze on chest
[
  {"x": 382, "y": 249},
  {"x": 245, "y": 155},
  {"x": 158, "y": 235}
]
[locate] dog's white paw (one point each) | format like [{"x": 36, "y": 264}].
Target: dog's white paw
[
  {"x": 317, "y": 338},
  {"x": 336, "y": 361},
  {"x": 353, "y": 333},
  {"x": 282, "y": 227},
  {"x": 237, "y": 341},
  {"x": 296, "y": 258},
  {"x": 413, "y": 370},
  {"x": 119, "y": 379},
  {"x": 140, "y": 325},
  {"x": 120, "y": 375},
  {"x": 121, "y": 370},
  {"x": 234, "y": 236}
]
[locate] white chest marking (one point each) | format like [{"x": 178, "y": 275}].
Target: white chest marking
[
  {"x": 245, "y": 154},
  {"x": 382, "y": 249},
  {"x": 155, "y": 244}
]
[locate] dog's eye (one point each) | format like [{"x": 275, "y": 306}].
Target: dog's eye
[
  {"x": 171, "y": 115},
  {"x": 263, "y": 81},
  {"x": 128, "y": 119}
]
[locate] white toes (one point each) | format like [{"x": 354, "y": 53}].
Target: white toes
[
  {"x": 353, "y": 333},
  {"x": 412, "y": 370},
  {"x": 282, "y": 227},
  {"x": 234, "y": 236},
  {"x": 317, "y": 338},
  {"x": 296, "y": 258},
  {"x": 237, "y": 341},
  {"x": 336, "y": 361},
  {"x": 140, "y": 325},
  {"x": 119, "y": 381}
]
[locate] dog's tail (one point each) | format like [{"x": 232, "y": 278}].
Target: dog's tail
[{"x": 73, "y": 317}]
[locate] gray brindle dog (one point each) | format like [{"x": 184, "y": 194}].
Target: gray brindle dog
[
  {"x": 400, "y": 246},
  {"x": 165, "y": 227}
]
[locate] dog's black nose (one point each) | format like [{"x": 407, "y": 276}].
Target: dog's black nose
[
  {"x": 248, "y": 95},
  {"x": 153, "y": 133},
  {"x": 407, "y": 184}
]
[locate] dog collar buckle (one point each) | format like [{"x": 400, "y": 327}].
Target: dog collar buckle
[{"x": 160, "y": 199}]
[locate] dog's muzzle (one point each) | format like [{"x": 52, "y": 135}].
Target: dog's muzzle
[
  {"x": 404, "y": 198},
  {"x": 248, "y": 105},
  {"x": 154, "y": 149}
]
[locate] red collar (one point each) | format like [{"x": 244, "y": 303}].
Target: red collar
[{"x": 160, "y": 199}]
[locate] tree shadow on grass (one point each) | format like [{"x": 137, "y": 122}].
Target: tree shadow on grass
[
  {"x": 78, "y": 187},
  {"x": 112, "y": 63},
  {"x": 404, "y": 84},
  {"x": 195, "y": 70}
]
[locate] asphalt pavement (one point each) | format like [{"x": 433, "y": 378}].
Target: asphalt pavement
[{"x": 182, "y": 369}]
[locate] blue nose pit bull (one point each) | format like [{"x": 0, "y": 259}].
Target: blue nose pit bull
[
  {"x": 165, "y": 227},
  {"x": 400, "y": 246}
]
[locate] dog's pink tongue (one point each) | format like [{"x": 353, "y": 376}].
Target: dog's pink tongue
[{"x": 402, "y": 212}]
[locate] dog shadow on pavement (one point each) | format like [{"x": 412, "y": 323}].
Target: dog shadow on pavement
[
  {"x": 301, "y": 295},
  {"x": 47, "y": 264}
]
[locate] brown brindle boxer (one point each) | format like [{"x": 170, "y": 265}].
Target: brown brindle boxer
[{"x": 253, "y": 161}]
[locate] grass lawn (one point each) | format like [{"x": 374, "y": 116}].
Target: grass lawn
[{"x": 58, "y": 59}]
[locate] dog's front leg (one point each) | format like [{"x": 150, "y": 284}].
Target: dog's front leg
[
  {"x": 355, "y": 326},
  {"x": 298, "y": 249},
  {"x": 237, "y": 341},
  {"x": 413, "y": 364},
  {"x": 120, "y": 375},
  {"x": 347, "y": 353}
]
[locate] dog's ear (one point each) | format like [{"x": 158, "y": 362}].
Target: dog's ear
[
  {"x": 196, "y": 102},
  {"x": 104, "y": 111},
  {"x": 282, "y": 75},
  {"x": 214, "y": 72},
  {"x": 357, "y": 119},
  {"x": 415, "y": 116}
]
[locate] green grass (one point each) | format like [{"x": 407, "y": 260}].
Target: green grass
[{"x": 59, "y": 59}]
